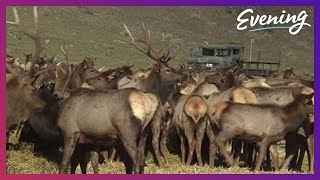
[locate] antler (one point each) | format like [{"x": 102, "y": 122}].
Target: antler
[
  {"x": 65, "y": 52},
  {"x": 64, "y": 87},
  {"x": 157, "y": 55},
  {"x": 33, "y": 34}
]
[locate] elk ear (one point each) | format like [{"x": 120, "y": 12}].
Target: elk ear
[
  {"x": 113, "y": 75},
  {"x": 310, "y": 97},
  {"x": 84, "y": 65},
  {"x": 28, "y": 57}
]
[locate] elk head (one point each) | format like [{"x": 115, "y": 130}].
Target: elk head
[
  {"x": 161, "y": 56},
  {"x": 70, "y": 76},
  {"x": 289, "y": 74},
  {"x": 87, "y": 69},
  {"x": 109, "y": 79}
]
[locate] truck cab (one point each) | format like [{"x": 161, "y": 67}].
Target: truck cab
[{"x": 216, "y": 56}]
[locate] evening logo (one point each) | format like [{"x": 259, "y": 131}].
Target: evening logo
[{"x": 295, "y": 23}]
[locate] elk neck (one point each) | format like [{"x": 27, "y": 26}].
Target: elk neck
[{"x": 295, "y": 114}]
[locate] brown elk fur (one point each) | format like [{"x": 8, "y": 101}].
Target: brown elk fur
[
  {"x": 195, "y": 107},
  {"x": 243, "y": 121},
  {"x": 189, "y": 120}
]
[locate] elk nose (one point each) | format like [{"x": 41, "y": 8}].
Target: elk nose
[{"x": 87, "y": 86}]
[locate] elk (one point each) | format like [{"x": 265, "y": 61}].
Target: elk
[
  {"x": 41, "y": 127},
  {"x": 160, "y": 79},
  {"x": 297, "y": 143},
  {"x": 281, "y": 96},
  {"x": 223, "y": 79},
  {"x": 22, "y": 99},
  {"x": 110, "y": 79},
  {"x": 289, "y": 74},
  {"x": 189, "y": 120},
  {"x": 127, "y": 120},
  {"x": 71, "y": 76},
  {"x": 22, "y": 96},
  {"x": 235, "y": 94},
  {"x": 243, "y": 121}
]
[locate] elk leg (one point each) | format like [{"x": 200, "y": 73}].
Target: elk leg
[
  {"x": 83, "y": 167},
  {"x": 269, "y": 166},
  {"x": 199, "y": 138},
  {"x": 236, "y": 146},
  {"x": 247, "y": 151},
  {"x": 156, "y": 125},
  {"x": 163, "y": 149},
  {"x": 129, "y": 139},
  {"x": 212, "y": 147},
  {"x": 75, "y": 159},
  {"x": 182, "y": 146},
  {"x": 105, "y": 155},
  {"x": 163, "y": 139},
  {"x": 301, "y": 157},
  {"x": 291, "y": 149},
  {"x": 192, "y": 143},
  {"x": 74, "y": 163},
  {"x": 84, "y": 158},
  {"x": 220, "y": 141},
  {"x": 262, "y": 153},
  {"x": 141, "y": 147},
  {"x": 275, "y": 156},
  {"x": 293, "y": 162},
  {"x": 69, "y": 146},
  {"x": 127, "y": 160},
  {"x": 254, "y": 155},
  {"x": 95, "y": 161},
  {"x": 287, "y": 161},
  {"x": 132, "y": 150},
  {"x": 310, "y": 141},
  {"x": 112, "y": 154}
]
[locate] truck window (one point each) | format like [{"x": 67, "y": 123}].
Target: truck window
[
  {"x": 208, "y": 52},
  {"x": 223, "y": 52},
  {"x": 236, "y": 51}
]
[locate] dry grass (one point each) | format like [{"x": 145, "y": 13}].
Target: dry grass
[{"x": 24, "y": 161}]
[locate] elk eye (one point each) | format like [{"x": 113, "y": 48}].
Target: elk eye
[
  {"x": 91, "y": 70},
  {"x": 99, "y": 79},
  {"x": 36, "y": 66},
  {"x": 168, "y": 70}
]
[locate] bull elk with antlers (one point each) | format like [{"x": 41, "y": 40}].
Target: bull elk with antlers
[
  {"x": 23, "y": 80},
  {"x": 160, "y": 79}
]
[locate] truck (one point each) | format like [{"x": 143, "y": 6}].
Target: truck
[{"x": 217, "y": 56}]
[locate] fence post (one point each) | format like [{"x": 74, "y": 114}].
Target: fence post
[
  {"x": 279, "y": 63},
  {"x": 251, "y": 47}
]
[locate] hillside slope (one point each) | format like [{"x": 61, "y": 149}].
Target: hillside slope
[{"x": 99, "y": 32}]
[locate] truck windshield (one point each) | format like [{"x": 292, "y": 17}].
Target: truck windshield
[
  {"x": 208, "y": 52},
  {"x": 223, "y": 52}
]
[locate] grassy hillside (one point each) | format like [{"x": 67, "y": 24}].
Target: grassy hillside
[{"x": 99, "y": 32}]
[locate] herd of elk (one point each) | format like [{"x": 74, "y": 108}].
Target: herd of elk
[{"x": 90, "y": 111}]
